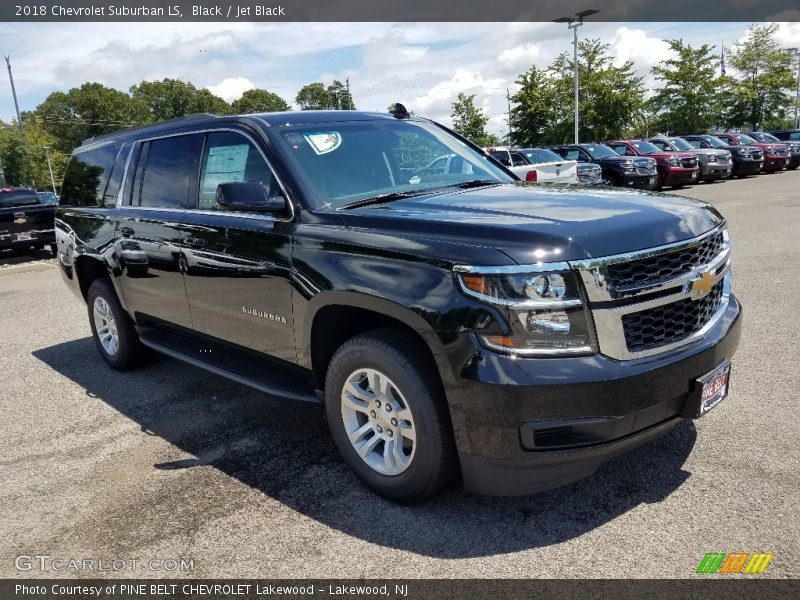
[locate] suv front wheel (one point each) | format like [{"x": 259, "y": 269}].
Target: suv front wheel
[{"x": 388, "y": 417}]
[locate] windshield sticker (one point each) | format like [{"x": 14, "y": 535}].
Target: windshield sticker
[{"x": 322, "y": 143}]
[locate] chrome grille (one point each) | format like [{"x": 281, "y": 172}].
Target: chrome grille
[
  {"x": 671, "y": 322},
  {"x": 689, "y": 163},
  {"x": 649, "y": 301},
  {"x": 663, "y": 266}
]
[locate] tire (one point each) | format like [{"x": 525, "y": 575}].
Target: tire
[
  {"x": 117, "y": 339},
  {"x": 54, "y": 249},
  {"x": 426, "y": 461},
  {"x": 659, "y": 186}
]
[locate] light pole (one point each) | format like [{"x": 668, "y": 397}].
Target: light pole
[
  {"x": 50, "y": 168},
  {"x": 797, "y": 94},
  {"x": 573, "y": 23}
]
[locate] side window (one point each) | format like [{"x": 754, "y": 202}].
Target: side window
[
  {"x": 231, "y": 157},
  {"x": 660, "y": 144},
  {"x": 695, "y": 143},
  {"x": 582, "y": 155},
  {"x": 167, "y": 166},
  {"x": 503, "y": 157},
  {"x": 618, "y": 148},
  {"x": 87, "y": 177},
  {"x": 572, "y": 154},
  {"x": 517, "y": 160}
]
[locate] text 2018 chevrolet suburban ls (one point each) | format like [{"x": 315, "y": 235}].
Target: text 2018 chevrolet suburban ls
[{"x": 454, "y": 324}]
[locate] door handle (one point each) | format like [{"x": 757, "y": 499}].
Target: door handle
[
  {"x": 194, "y": 242},
  {"x": 126, "y": 231}
]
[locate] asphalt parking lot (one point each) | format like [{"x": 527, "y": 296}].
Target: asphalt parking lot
[{"x": 170, "y": 462}]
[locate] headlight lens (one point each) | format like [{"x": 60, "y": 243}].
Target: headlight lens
[
  {"x": 544, "y": 310},
  {"x": 673, "y": 162}
]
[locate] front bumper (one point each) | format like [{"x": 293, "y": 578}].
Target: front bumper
[
  {"x": 747, "y": 166},
  {"x": 775, "y": 163},
  {"x": 640, "y": 182},
  {"x": 716, "y": 170},
  {"x": 680, "y": 175},
  {"x": 611, "y": 407}
]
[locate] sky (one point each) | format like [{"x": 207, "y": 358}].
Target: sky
[{"x": 422, "y": 65}]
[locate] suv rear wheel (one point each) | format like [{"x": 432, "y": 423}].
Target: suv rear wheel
[
  {"x": 388, "y": 418},
  {"x": 112, "y": 328}
]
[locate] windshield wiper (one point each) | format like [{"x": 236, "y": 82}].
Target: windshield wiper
[
  {"x": 383, "y": 198},
  {"x": 478, "y": 183}
]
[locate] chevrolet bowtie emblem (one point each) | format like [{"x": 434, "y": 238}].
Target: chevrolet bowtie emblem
[{"x": 700, "y": 286}]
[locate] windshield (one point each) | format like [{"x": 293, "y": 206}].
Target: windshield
[
  {"x": 646, "y": 147},
  {"x": 10, "y": 198},
  {"x": 745, "y": 139},
  {"x": 540, "y": 155},
  {"x": 681, "y": 144},
  {"x": 346, "y": 162},
  {"x": 715, "y": 142},
  {"x": 765, "y": 137},
  {"x": 600, "y": 151}
]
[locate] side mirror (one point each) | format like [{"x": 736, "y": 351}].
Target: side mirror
[{"x": 245, "y": 196}]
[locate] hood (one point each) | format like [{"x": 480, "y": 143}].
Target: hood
[{"x": 543, "y": 222}]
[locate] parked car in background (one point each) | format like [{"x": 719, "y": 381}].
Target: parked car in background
[
  {"x": 25, "y": 221},
  {"x": 675, "y": 169},
  {"x": 747, "y": 160},
  {"x": 549, "y": 166},
  {"x": 535, "y": 164},
  {"x": 590, "y": 174},
  {"x": 714, "y": 163},
  {"x": 786, "y": 135},
  {"x": 640, "y": 173},
  {"x": 776, "y": 156},
  {"x": 794, "y": 146},
  {"x": 47, "y": 197}
]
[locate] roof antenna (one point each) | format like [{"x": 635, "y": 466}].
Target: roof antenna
[{"x": 399, "y": 111}]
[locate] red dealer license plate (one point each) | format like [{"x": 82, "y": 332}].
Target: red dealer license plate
[{"x": 710, "y": 390}]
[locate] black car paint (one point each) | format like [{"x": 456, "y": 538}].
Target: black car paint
[
  {"x": 741, "y": 166},
  {"x": 22, "y": 214},
  {"x": 263, "y": 282}
]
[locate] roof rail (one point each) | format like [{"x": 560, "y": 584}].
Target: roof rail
[{"x": 190, "y": 117}]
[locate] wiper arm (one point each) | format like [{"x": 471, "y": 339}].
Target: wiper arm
[
  {"x": 478, "y": 183},
  {"x": 383, "y": 198}
]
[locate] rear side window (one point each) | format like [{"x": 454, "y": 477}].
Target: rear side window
[
  {"x": 167, "y": 166},
  {"x": 503, "y": 157},
  {"x": 10, "y": 198},
  {"x": 87, "y": 175},
  {"x": 517, "y": 160}
]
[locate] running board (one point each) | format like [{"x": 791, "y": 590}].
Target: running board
[{"x": 249, "y": 369}]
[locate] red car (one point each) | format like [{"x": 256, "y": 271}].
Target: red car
[
  {"x": 776, "y": 156},
  {"x": 674, "y": 168}
]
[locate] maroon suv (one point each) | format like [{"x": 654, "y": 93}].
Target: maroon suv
[
  {"x": 776, "y": 156},
  {"x": 674, "y": 168}
]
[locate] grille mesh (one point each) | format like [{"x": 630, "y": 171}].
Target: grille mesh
[
  {"x": 664, "y": 266},
  {"x": 669, "y": 323}
]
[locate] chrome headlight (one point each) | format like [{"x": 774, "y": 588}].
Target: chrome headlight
[
  {"x": 629, "y": 166},
  {"x": 544, "y": 309},
  {"x": 673, "y": 161},
  {"x": 711, "y": 158}
]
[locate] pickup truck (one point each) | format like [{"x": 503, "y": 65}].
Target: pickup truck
[
  {"x": 536, "y": 164},
  {"x": 25, "y": 221},
  {"x": 454, "y": 324}
]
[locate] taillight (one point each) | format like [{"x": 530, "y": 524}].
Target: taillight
[{"x": 532, "y": 176}]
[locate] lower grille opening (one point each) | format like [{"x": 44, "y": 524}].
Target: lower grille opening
[{"x": 670, "y": 323}]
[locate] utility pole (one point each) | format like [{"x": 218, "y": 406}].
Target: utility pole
[
  {"x": 797, "y": 94},
  {"x": 349, "y": 97},
  {"x": 510, "y": 132},
  {"x": 573, "y": 23},
  {"x": 50, "y": 168},
  {"x": 13, "y": 91}
]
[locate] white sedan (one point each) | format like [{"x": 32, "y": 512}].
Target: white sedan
[{"x": 536, "y": 164}]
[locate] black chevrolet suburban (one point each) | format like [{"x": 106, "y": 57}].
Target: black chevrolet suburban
[{"x": 455, "y": 323}]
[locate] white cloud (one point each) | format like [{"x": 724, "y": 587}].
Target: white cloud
[
  {"x": 634, "y": 44},
  {"x": 231, "y": 89}
]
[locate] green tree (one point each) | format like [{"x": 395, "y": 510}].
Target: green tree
[
  {"x": 340, "y": 96},
  {"x": 469, "y": 121},
  {"x": 24, "y": 156},
  {"x": 315, "y": 96},
  {"x": 532, "y": 115},
  {"x": 83, "y": 112},
  {"x": 686, "y": 103},
  {"x": 171, "y": 98},
  {"x": 258, "y": 101},
  {"x": 762, "y": 92}
]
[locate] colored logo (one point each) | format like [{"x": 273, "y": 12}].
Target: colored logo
[
  {"x": 700, "y": 285},
  {"x": 735, "y": 562}
]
